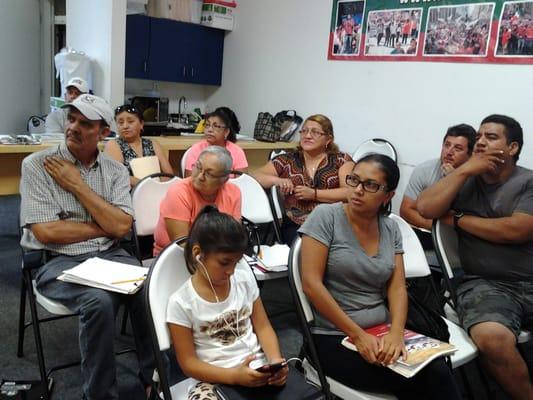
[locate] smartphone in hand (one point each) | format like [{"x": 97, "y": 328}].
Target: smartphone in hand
[{"x": 271, "y": 368}]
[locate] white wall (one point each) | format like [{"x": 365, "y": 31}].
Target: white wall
[
  {"x": 20, "y": 68},
  {"x": 98, "y": 27},
  {"x": 276, "y": 58}
]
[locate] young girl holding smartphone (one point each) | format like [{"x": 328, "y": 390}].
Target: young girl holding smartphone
[{"x": 219, "y": 327}]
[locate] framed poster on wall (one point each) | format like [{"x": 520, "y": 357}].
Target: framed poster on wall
[{"x": 435, "y": 31}]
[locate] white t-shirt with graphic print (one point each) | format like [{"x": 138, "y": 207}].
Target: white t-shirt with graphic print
[{"x": 214, "y": 341}]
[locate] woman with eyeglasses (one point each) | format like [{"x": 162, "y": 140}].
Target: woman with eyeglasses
[
  {"x": 353, "y": 274},
  {"x": 208, "y": 185},
  {"x": 130, "y": 144},
  {"x": 315, "y": 173},
  {"x": 220, "y": 129}
]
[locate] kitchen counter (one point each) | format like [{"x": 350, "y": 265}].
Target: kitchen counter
[{"x": 11, "y": 156}]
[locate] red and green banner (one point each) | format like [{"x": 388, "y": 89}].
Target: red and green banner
[{"x": 432, "y": 30}]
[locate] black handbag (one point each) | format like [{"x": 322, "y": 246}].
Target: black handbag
[
  {"x": 424, "y": 313},
  {"x": 267, "y": 128},
  {"x": 289, "y": 122},
  {"x": 296, "y": 388}
]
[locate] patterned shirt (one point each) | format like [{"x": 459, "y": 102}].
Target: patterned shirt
[
  {"x": 43, "y": 200},
  {"x": 292, "y": 166},
  {"x": 129, "y": 154}
]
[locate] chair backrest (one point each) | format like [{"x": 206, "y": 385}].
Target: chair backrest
[
  {"x": 255, "y": 204},
  {"x": 167, "y": 273},
  {"x": 304, "y": 311},
  {"x": 275, "y": 202},
  {"x": 446, "y": 245},
  {"x": 375, "y": 145},
  {"x": 274, "y": 153},
  {"x": 414, "y": 258},
  {"x": 183, "y": 161},
  {"x": 146, "y": 197},
  {"x": 296, "y": 281}
]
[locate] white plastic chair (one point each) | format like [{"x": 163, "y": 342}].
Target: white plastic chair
[
  {"x": 416, "y": 266},
  {"x": 446, "y": 245},
  {"x": 166, "y": 275},
  {"x": 376, "y": 145},
  {"x": 274, "y": 192},
  {"x": 255, "y": 207},
  {"x": 311, "y": 364},
  {"x": 183, "y": 161},
  {"x": 146, "y": 197},
  {"x": 31, "y": 260}
]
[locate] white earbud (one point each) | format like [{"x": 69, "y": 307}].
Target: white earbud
[{"x": 198, "y": 258}]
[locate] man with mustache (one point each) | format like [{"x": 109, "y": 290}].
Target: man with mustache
[
  {"x": 489, "y": 201},
  {"x": 457, "y": 147},
  {"x": 76, "y": 204}
]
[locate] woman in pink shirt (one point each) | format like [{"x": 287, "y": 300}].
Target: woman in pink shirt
[
  {"x": 221, "y": 129},
  {"x": 208, "y": 185}
]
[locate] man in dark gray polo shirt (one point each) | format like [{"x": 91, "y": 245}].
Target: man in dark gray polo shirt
[
  {"x": 76, "y": 204},
  {"x": 489, "y": 200}
]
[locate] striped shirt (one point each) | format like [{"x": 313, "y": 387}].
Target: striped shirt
[{"x": 43, "y": 200}]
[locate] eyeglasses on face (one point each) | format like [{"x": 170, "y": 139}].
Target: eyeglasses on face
[
  {"x": 216, "y": 127},
  {"x": 128, "y": 108},
  {"x": 208, "y": 174},
  {"x": 315, "y": 133},
  {"x": 368, "y": 186}
]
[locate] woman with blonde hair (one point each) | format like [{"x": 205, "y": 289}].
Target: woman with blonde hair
[{"x": 315, "y": 173}]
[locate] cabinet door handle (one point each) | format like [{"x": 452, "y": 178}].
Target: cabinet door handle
[
  {"x": 184, "y": 71},
  {"x": 192, "y": 72},
  {"x": 145, "y": 66}
]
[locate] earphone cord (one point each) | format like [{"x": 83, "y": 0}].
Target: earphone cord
[{"x": 228, "y": 325}]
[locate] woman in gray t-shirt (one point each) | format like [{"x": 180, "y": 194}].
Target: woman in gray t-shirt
[{"x": 352, "y": 272}]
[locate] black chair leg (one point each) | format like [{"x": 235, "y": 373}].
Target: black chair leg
[
  {"x": 22, "y": 318},
  {"x": 37, "y": 336}
]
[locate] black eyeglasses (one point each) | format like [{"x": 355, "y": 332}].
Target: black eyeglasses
[
  {"x": 368, "y": 186},
  {"x": 130, "y": 108}
]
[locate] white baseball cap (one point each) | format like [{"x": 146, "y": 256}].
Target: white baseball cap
[
  {"x": 92, "y": 107},
  {"x": 79, "y": 84}
]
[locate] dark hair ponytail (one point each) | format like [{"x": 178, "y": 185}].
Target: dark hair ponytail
[{"x": 214, "y": 232}]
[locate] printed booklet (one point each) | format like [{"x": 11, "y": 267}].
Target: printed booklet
[{"x": 421, "y": 349}]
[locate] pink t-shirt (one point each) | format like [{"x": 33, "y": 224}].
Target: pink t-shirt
[
  {"x": 237, "y": 154},
  {"x": 183, "y": 203}
]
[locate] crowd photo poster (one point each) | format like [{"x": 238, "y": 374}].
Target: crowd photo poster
[{"x": 432, "y": 30}]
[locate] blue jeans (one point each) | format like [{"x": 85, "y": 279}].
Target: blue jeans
[{"x": 97, "y": 310}]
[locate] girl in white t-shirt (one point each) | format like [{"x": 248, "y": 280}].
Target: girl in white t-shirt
[{"x": 219, "y": 327}]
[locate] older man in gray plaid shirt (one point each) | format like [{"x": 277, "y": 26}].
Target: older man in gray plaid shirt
[{"x": 76, "y": 204}]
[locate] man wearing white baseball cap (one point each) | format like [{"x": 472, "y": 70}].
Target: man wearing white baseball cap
[
  {"x": 75, "y": 203},
  {"x": 56, "y": 120}
]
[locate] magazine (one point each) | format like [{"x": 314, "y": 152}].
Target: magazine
[
  {"x": 421, "y": 350},
  {"x": 108, "y": 275}
]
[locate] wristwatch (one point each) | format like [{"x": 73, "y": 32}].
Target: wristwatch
[{"x": 456, "y": 217}]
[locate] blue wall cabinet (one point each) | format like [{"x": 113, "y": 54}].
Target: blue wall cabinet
[
  {"x": 137, "y": 46},
  {"x": 167, "y": 50}
]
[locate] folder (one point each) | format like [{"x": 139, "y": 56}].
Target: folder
[
  {"x": 108, "y": 275},
  {"x": 144, "y": 166}
]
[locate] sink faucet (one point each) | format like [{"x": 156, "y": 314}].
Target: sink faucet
[{"x": 184, "y": 100}]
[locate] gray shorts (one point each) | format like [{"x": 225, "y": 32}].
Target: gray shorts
[{"x": 508, "y": 303}]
